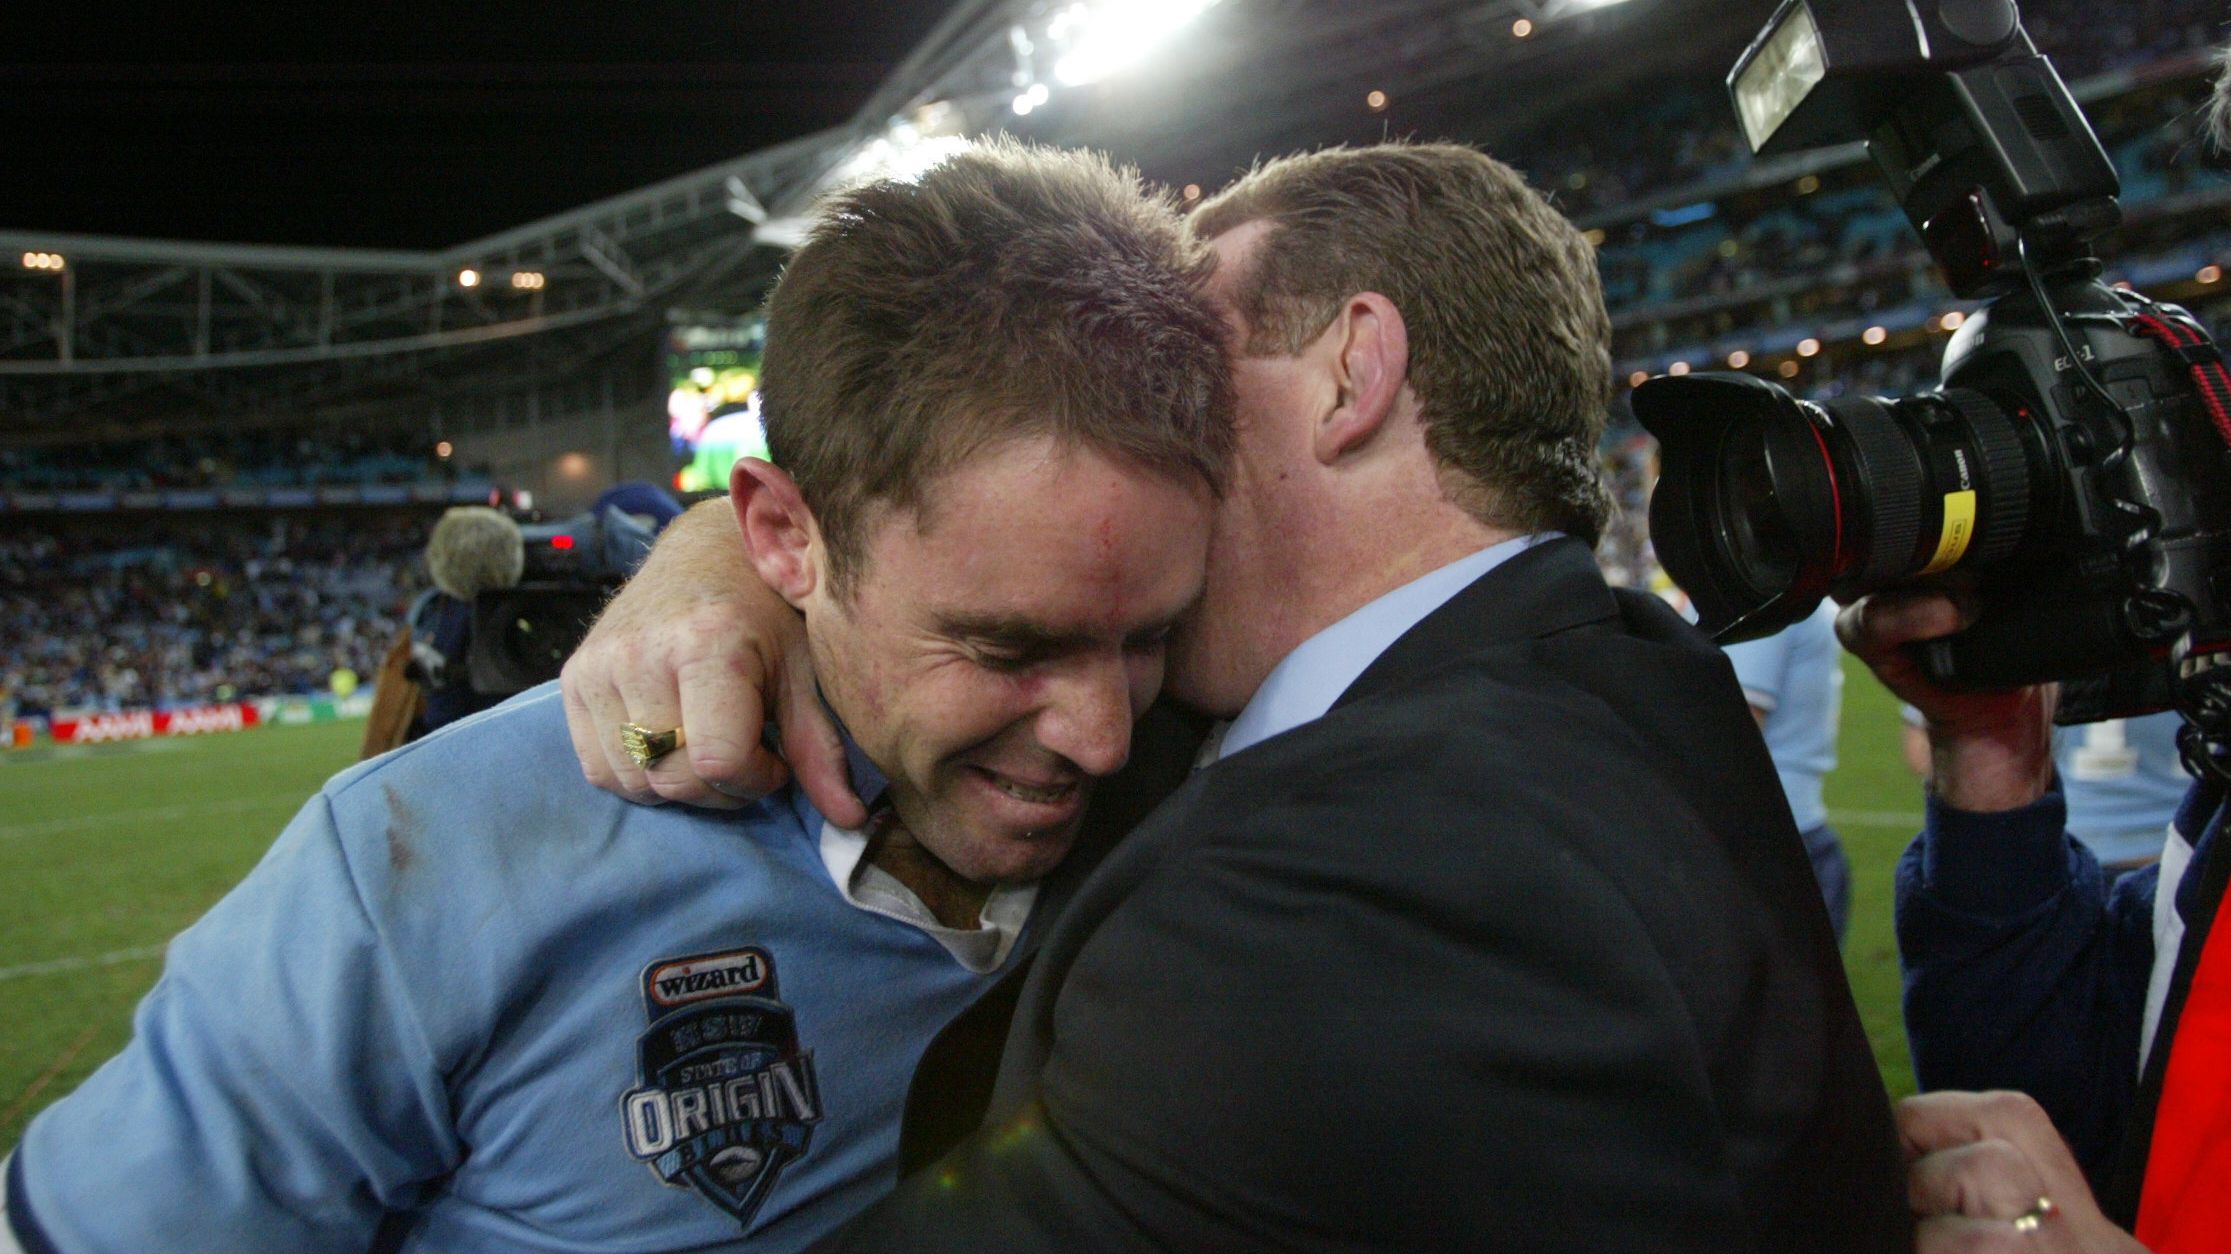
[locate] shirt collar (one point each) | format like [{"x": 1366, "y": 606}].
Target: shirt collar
[
  {"x": 866, "y": 887},
  {"x": 1306, "y": 683}
]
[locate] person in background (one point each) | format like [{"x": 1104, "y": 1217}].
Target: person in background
[
  {"x": 2105, "y": 1002},
  {"x": 1794, "y": 681},
  {"x": 2123, "y": 779},
  {"x": 473, "y": 549}
]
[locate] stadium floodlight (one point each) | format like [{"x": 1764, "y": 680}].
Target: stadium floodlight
[
  {"x": 1542, "y": 11},
  {"x": 50, "y": 262},
  {"x": 903, "y": 154},
  {"x": 1097, "y": 40},
  {"x": 468, "y": 277}
]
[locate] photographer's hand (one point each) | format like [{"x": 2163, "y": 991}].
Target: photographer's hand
[
  {"x": 1989, "y": 751},
  {"x": 697, "y": 641}
]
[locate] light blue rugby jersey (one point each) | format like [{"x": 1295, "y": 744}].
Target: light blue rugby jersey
[
  {"x": 2124, "y": 780},
  {"x": 1796, "y": 675},
  {"x": 467, "y": 989}
]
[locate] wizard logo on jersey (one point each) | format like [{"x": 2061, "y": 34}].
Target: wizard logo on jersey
[{"x": 726, "y": 1097}]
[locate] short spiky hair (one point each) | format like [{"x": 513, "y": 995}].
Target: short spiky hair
[
  {"x": 1510, "y": 345},
  {"x": 1011, "y": 291}
]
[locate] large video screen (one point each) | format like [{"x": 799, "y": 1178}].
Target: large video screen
[{"x": 712, "y": 399}]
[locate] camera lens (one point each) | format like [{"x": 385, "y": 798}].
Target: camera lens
[
  {"x": 523, "y": 635},
  {"x": 1759, "y": 536},
  {"x": 1766, "y": 503}
]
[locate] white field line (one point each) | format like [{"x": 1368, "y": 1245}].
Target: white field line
[
  {"x": 151, "y": 814},
  {"x": 112, "y": 958}
]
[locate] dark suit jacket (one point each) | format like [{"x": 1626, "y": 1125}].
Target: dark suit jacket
[{"x": 1516, "y": 948}]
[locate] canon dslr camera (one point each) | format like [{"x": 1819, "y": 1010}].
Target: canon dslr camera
[{"x": 2074, "y": 457}]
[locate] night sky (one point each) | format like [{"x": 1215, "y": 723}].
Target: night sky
[{"x": 408, "y": 125}]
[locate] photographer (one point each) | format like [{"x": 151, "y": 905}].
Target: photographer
[
  {"x": 2109, "y": 1004},
  {"x": 474, "y": 549}
]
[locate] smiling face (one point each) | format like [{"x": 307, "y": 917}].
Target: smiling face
[{"x": 996, "y": 646}]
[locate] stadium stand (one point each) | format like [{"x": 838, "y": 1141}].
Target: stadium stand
[
  {"x": 1700, "y": 260},
  {"x": 194, "y": 609},
  {"x": 293, "y": 458},
  {"x": 1598, "y": 160},
  {"x": 1853, "y": 229}
]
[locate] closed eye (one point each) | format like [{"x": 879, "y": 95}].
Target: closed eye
[{"x": 1006, "y": 663}]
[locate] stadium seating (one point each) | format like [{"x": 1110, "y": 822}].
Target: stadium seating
[
  {"x": 193, "y": 612},
  {"x": 1600, "y": 160},
  {"x": 256, "y": 459}
]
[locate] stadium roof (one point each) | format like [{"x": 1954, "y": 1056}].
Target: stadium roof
[{"x": 135, "y": 334}]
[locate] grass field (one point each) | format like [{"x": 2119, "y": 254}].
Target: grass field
[{"x": 105, "y": 853}]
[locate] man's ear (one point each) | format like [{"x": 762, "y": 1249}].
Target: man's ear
[
  {"x": 1371, "y": 365},
  {"x": 780, "y": 537}
]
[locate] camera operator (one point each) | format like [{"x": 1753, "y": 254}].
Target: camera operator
[
  {"x": 560, "y": 572},
  {"x": 2109, "y": 1004},
  {"x": 473, "y": 549}
]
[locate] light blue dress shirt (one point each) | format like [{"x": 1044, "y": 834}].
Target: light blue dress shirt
[{"x": 1304, "y": 685}]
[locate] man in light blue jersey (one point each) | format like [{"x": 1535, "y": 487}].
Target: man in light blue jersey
[
  {"x": 1794, "y": 681},
  {"x": 2123, "y": 779},
  {"x": 468, "y": 1002}
]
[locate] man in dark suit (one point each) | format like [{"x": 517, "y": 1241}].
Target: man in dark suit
[{"x": 1488, "y": 926}]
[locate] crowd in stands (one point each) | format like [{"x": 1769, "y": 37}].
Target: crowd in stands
[
  {"x": 230, "y": 459},
  {"x": 193, "y": 612},
  {"x": 1596, "y": 160},
  {"x": 188, "y": 613},
  {"x": 1742, "y": 244},
  {"x": 2081, "y": 44}
]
